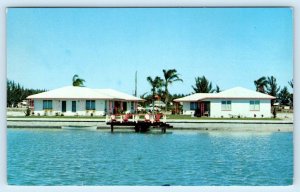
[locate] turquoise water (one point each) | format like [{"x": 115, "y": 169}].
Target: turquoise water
[{"x": 64, "y": 157}]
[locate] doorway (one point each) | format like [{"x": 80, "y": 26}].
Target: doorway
[{"x": 203, "y": 109}]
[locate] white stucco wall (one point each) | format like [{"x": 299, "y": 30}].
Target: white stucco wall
[
  {"x": 80, "y": 108},
  {"x": 242, "y": 108},
  {"x": 238, "y": 107},
  {"x": 186, "y": 109},
  {"x": 38, "y": 107},
  {"x": 100, "y": 106}
]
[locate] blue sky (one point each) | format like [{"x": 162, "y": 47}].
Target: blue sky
[{"x": 105, "y": 46}]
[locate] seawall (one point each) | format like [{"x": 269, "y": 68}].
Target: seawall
[{"x": 206, "y": 125}]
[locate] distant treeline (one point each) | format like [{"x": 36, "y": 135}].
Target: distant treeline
[
  {"x": 265, "y": 84},
  {"x": 17, "y": 93}
]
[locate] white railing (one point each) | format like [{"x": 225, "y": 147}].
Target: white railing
[{"x": 135, "y": 118}]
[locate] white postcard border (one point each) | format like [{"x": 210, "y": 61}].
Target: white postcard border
[{"x": 144, "y": 3}]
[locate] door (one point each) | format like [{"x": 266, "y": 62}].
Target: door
[
  {"x": 205, "y": 110},
  {"x": 117, "y": 107},
  {"x": 124, "y": 106},
  {"x": 73, "y": 106},
  {"x": 63, "y": 106}
]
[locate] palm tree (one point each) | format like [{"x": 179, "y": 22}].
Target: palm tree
[
  {"x": 77, "y": 82},
  {"x": 291, "y": 83},
  {"x": 161, "y": 93},
  {"x": 217, "y": 90},
  {"x": 155, "y": 83},
  {"x": 284, "y": 96},
  {"x": 146, "y": 97},
  {"x": 260, "y": 84},
  {"x": 170, "y": 76},
  {"x": 203, "y": 85},
  {"x": 272, "y": 88}
]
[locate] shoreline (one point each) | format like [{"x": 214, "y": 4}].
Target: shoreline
[{"x": 204, "y": 125}]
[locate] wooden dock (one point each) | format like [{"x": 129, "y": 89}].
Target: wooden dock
[{"x": 140, "y": 125}]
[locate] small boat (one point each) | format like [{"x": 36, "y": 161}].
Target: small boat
[{"x": 79, "y": 127}]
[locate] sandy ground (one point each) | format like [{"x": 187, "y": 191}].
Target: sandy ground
[
  {"x": 286, "y": 116},
  {"x": 286, "y": 124},
  {"x": 207, "y": 125}
]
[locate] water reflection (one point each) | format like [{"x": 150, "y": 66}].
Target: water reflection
[
  {"x": 240, "y": 135},
  {"x": 61, "y": 157}
]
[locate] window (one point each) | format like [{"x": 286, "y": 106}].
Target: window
[
  {"x": 255, "y": 105},
  {"x": 105, "y": 106},
  {"x": 73, "y": 106},
  {"x": 226, "y": 106},
  {"x": 193, "y": 105},
  {"x": 90, "y": 105},
  {"x": 47, "y": 104},
  {"x": 132, "y": 105}
]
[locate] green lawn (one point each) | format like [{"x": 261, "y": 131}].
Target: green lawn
[
  {"x": 211, "y": 118},
  {"x": 59, "y": 117},
  {"x": 183, "y": 117}
]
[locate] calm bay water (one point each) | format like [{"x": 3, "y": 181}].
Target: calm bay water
[{"x": 64, "y": 157}]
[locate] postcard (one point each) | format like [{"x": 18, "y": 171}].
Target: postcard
[{"x": 150, "y": 96}]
